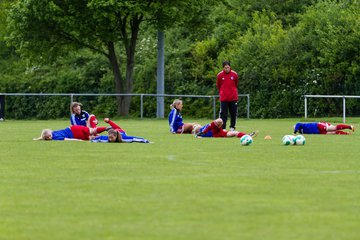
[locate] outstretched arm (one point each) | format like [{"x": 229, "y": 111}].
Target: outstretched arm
[{"x": 112, "y": 124}]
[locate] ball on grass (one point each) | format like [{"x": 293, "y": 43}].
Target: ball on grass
[
  {"x": 288, "y": 139},
  {"x": 299, "y": 140},
  {"x": 246, "y": 140}
]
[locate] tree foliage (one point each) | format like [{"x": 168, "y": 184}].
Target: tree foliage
[
  {"x": 43, "y": 29},
  {"x": 281, "y": 50}
]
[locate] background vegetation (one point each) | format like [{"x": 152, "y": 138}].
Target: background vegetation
[{"x": 280, "y": 50}]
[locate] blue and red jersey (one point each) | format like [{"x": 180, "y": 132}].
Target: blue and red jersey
[
  {"x": 79, "y": 119},
  {"x": 307, "y": 128},
  {"x": 125, "y": 138},
  {"x": 62, "y": 134},
  {"x": 74, "y": 132},
  {"x": 211, "y": 130},
  {"x": 175, "y": 121}
]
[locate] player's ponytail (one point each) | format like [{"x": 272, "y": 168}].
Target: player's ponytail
[{"x": 175, "y": 103}]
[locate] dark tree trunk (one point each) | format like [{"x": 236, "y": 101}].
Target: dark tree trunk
[{"x": 120, "y": 85}]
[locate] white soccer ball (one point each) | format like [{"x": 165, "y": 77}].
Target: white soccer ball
[
  {"x": 299, "y": 140},
  {"x": 288, "y": 139},
  {"x": 246, "y": 140}
]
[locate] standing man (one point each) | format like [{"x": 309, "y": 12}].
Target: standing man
[{"x": 227, "y": 83}]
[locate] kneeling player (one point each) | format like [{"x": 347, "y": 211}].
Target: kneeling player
[{"x": 81, "y": 117}]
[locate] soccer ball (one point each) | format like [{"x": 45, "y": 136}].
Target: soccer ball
[
  {"x": 299, "y": 140},
  {"x": 288, "y": 139},
  {"x": 246, "y": 140}
]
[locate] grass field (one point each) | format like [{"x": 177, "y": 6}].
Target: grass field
[{"x": 179, "y": 187}]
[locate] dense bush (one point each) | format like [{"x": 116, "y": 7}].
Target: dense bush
[{"x": 281, "y": 52}]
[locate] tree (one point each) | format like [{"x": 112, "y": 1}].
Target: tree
[{"x": 43, "y": 30}]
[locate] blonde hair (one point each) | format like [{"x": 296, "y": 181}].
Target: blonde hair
[
  {"x": 44, "y": 134},
  {"x": 74, "y": 104},
  {"x": 175, "y": 103}
]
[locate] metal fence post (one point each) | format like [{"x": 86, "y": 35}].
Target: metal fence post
[
  {"x": 141, "y": 105},
  {"x": 344, "y": 108},
  {"x": 2, "y": 107},
  {"x": 248, "y": 106},
  {"x": 305, "y": 109}
]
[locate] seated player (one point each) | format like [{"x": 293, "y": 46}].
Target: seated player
[
  {"x": 71, "y": 133},
  {"x": 214, "y": 129},
  {"x": 81, "y": 117},
  {"x": 175, "y": 119},
  {"x": 322, "y": 128},
  {"x": 117, "y": 134}
]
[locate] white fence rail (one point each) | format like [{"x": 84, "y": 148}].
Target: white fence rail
[
  {"x": 344, "y": 97},
  {"x": 142, "y": 95}
]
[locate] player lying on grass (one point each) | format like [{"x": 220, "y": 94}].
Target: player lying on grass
[
  {"x": 214, "y": 129},
  {"x": 175, "y": 119},
  {"x": 81, "y": 117},
  {"x": 117, "y": 134},
  {"x": 70, "y": 133},
  {"x": 322, "y": 128}
]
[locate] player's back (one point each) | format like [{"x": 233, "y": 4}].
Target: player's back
[
  {"x": 310, "y": 128},
  {"x": 62, "y": 134}
]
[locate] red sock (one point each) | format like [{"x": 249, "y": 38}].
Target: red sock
[
  {"x": 341, "y": 132},
  {"x": 342, "y": 126},
  {"x": 100, "y": 129},
  {"x": 93, "y": 121},
  {"x": 240, "y": 134}
]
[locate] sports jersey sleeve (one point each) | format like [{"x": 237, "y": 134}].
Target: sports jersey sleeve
[
  {"x": 132, "y": 139},
  {"x": 115, "y": 126},
  {"x": 174, "y": 121},
  {"x": 72, "y": 120},
  {"x": 102, "y": 139}
]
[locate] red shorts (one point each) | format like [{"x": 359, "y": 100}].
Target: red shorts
[
  {"x": 80, "y": 132},
  {"x": 323, "y": 127},
  {"x": 219, "y": 132}
]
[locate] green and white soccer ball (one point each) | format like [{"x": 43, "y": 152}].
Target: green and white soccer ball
[
  {"x": 288, "y": 139},
  {"x": 246, "y": 140},
  {"x": 299, "y": 140}
]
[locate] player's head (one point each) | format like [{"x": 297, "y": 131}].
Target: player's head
[
  {"x": 46, "y": 135},
  {"x": 226, "y": 66},
  {"x": 298, "y": 128},
  {"x": 177, "y": 103},
  {"x": 219, "y": 122},
  {"x": 114, "y": 136},
  {"x": 75, "y": 108}
]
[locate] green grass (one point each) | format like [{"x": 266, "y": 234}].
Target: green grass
[{"x": 179, "y": 187}]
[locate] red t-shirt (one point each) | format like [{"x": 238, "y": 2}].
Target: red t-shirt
[{"x": 227, "y": 85}]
